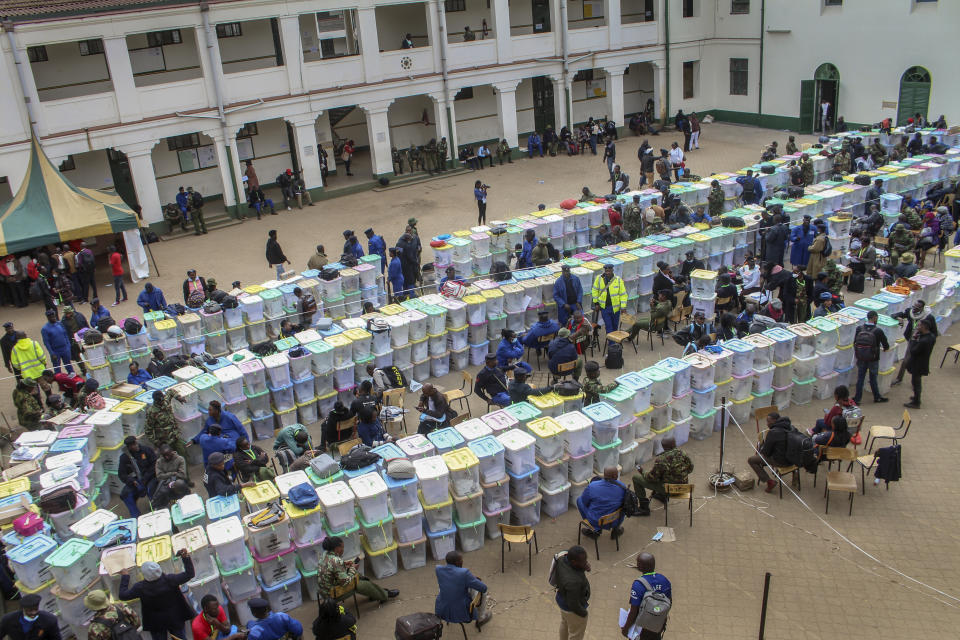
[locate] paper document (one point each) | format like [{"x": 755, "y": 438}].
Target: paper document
[{"x": 634, "y": 631}]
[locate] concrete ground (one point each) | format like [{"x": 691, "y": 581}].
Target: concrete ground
[{"x": 888, "y": 569}]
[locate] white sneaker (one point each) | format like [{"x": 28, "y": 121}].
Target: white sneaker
[{"x": 289, "y": 209}]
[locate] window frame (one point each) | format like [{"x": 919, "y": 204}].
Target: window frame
[
  {"x": 453, "y": 6},
  {"x": 165, "y": 37},
  {"x": 746, "y": 76},
  {"x": 833, "y": 3},
  {"x": 693, "y": 79},
  {"x": 229, "y": 30},
  {"x": 685, "y": 5},
  {"x": 737, "y": 7},
  {"x": 466, "y": 93},
  {"x": 176, "y": 143},
  {"x": 37, "y": 53},
  {"x": 91, "y": 47}
]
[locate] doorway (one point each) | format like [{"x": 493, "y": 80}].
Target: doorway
[
  {"x": 914, "y": 94},
  {"x": 824, "y": 86},
  {"x": 543, "y": 115},
  {"x": 541, "y": 16}
]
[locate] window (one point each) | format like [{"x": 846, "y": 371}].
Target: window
[
  {"x": 738, "y": 76},
  {"x": 687, "y": 8},
  {"x": 739, "y": 6},
  {"x": 91, "y": 47},
  {"x": 160, "y": 38},
  {"x": 229, "y": 30},
  {"x": 832, "y": 3},
  {"x": 68, "y": 165},
  {"x": 585, "y": 75},
  {"x": 37, "y": 54},
  {"x": 455, "y": 5},
  {"x": 187, "y": 141},
  {"x": 689, "y": 70},
  {"x": 464, "y": 94},
  {"x": 249, "y": 129}
]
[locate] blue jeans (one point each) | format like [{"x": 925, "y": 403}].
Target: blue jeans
[
  {"x": 593, "y": 144},
  {"x": 130, "y": 494},
  {"x": 611, "y": 320},
  {"x": 279, "y": 270},
  {"x": 862, "y": 368},
  {"x": 501, "y": 399},
  {"x": 58, "y": 358},
  {"x": 820, "y": 426},
  {"x": 118, "y": 286}
]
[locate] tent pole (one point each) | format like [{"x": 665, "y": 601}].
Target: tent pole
[{"x": 150, "y": 251}]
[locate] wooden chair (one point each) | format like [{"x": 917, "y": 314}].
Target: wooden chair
[
  {"x": 761, "y": 413},
  {"x": 956, "y": 354},
  {"x": 835, "y": 454},
  {"x": 720, "y": 302},
  {"x": 541, "y": 345},
  {"x": 343, "y": 592},
  {"x": 659, "y": 328},
  {"x": 620, "y": 336},
  {"x": 604, "y": 521},
  {"x": 516, "y": 534},
  {"x": 346, "y": 432},
  {"x": 889, "y": 433},
  {"x": 791, "y": 469},
  {"x": 866, "y": 463},
  {"x": 565, "y": 369},
  {"x": 394, "y": 398},
  {"x": 843, "y": 481},
  {"x": 681, "y": 492},
  {"x": 463, "y": 393},
  {"x": 676, "y": 316}
]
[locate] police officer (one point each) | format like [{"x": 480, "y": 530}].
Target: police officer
[
  {"x": 503, "y": 151},
  {"x": 442, "y": 154}
]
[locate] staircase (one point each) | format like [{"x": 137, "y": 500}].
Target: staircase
[
  {"x": 214, "y": 217},
  {"x": 339, "y": 113},
  {"x": 420, "y": 176}
]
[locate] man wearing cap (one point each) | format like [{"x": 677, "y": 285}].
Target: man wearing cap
[
  {"x": 165, "y": 609},
  {"x": 633, "y": 218},
  {"x": 609, "y": 295},
  {"x": 195, "y": 201},
  {"x": 902, "y": 242},
  {"x": 562, "y": 350},
  {"x": 27, "y": 357},
  {"x": 271, "y": 625},
  {"x": 183, "y": 203},
  {"x": 545, "y": 326},
  {"x": 567, "y": 293},
  {"x": 193, "y": 283},
  {"x": 691, "y": 264},
  {"x": 376, "y": 246},
  {"x": 352, "y": 245},
  {"x": 26, "y": 398},
  {"x": 151, "y": 299},
  {"x": 826, "y": 305},
  {"x": 215, "y": 478},
  {"x": 138, "y": 473},
  {"x": 106, "y": 615},
  {"x": 801, "y": 237},
  {"x": 30, "y": 623},
  {"x": 73, "y": 321},
  {"x": 57, "y": 341}
]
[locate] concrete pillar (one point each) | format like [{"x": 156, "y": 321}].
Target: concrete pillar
[
  {"x": 121, "y": 73},
  {"x": 207, "y": 67},
  {"x": 369, "y": 44},
  {"x": 435, "y": 37},
  {"x": 659, "y": 87},
  {"x": 292, "y": 52},
  {"x": 304, "y": 128},
  {"x": 140, "y": 160},
  {"x": 501, "y": 30},
  {"x": 14, "y": 78},
  {"x": 507, "y": 111},
  {"x": 223, "y": 165},
  {"x": 615, "y": 94},
  {"x": 440, "y": 118},
  {"x": 560, "y": 104},
  {"x": 612, "y": 10},
  {"x": 378, "y": 131},
  {"x": 238, "y": 166}
]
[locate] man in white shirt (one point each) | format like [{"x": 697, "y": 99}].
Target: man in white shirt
[
  {"x": 484, "y": 154},
  {"x": 750, "y": 276},
  {"x": 824, "y": 112},
  {"x": 676, "y": 159}
]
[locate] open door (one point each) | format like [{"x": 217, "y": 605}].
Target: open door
[
  {"x": 808, "y": 111},
  {"x": 543, "y": 115},
  {"x": 541, "y": 16}
]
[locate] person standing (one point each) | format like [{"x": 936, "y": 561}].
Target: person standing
[
  {"x": 26, "y": 399},
  {"x": 87, "y": 267},
  {"x": 318, "y": 260},
  {"x": 824, "y": 115},
  {"x": 376, "y": 245},
  {"x": 395, "y": 276},
  {"x": 30, "y": 623},
  {"x": 610, "y": 155},
  {"x": 609, "y": 298},
  {"x": 138, "y": 473},
  {"x": 676, "y": 159},
  {"x": 456, "y": 601},
  {"x": 573, "y": 592},
  {"x": 801, "y": 237},
  {"x": 684, "y": 126},
  {"x": 649, "y": 581},
  {"x": 867, "y": 342},
  {"x": 57, "y": 341},
  {"x": 151, "y": 298},
  {"x": 347, "y": 155},
  {"x": 195, "y": 202},
  {"x": 480, "y": 193},
  {"x": 694, "y": 131},
  {"x": 253, "y": 182},
  {"x": 275, "y": 256},
  {"x": 160, "y": 425},
  {"x": 918, "y": 357},
  {"x": 165, "y": 609},
  {"x": 567, "y": 293}
]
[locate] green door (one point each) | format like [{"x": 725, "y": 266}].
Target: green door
[
  {"x": 914, "y": 94},
  {"x": 543, "y": 115},
  {"x": 808, "y": 111}
]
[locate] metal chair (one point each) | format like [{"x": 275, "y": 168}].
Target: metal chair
[
  {"x": 681, "y": 492},
  {"x": 463, "y": 393},
  {"x": 890, "y": 433},
  {"x": 517, "y": 534},
  {"x": 541, "y": 345},
  {"x": 659, "y": 328},
  {"x": 343, "y": 592},
  {"x": 956, "y": 354},
  {"x": 842, "y": 481},
  {"x": 604, "y": 521},
  {"x": 620, "y": 336}
]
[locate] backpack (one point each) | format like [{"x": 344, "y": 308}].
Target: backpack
[
  {"x": 800, "y": 450},
  {"x": 329, "y": 274},
  {"x": 59, "y": 500},
  {"x": 866, "y": 345},
  {"x": 359, "y": 457},
  {"x": 397, "y": 379},
  {"x": 855, "y": 283},
  {"x": 105, "y": 323},
  {"x": 120, "y": 629},
  {"x": 631, "y": 504},
  {"x": 614, "y": 359},
  {"x": 303, "y": 496},
  {"x": 418, "y": 626},
  {"x": 401, "y": 469},
  {"x": 132, "y": 326},
  {"x": 663, "y": 167},
  {"x": 568, "y": 388},
  {"x": 552, "y": 576},
  {"x": 827, "y": 247},
  {"x": 654, "y": 608},
  {"x": 85, "y": 261},
  {"x": 92, "y": 336}
]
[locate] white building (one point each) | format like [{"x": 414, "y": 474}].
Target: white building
[{"x": 146, "y": 96}]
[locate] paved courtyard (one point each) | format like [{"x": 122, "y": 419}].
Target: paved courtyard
[{"x": 822, "y": 585}]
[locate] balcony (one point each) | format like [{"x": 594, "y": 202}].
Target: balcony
[
  {"x": 406, "y": 62},
  {"x": 335, "y": 72},
  {"x": 588, "y": 39},
  {"x": 71, "y": 114},
  {"x": 464, "y": 55},
  {"x": 257, "y": 83},
  {"x": 169, "y": 97},
  {"x": 537, "y": 45},
  {"x": 638, "y": 34}
]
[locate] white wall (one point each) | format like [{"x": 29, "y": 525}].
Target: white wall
[
  {"x": 406, "y": 122},
  {"x": 637, "y": 88},
  {"x": 253, "y": 49},
  {"x": 92, "y": 170},
  {"x": 182, "y": 61},
  {"x": 477, "y": 117},
  {"x": 170, "y": 179},
  {"x": 354, "y": 127},
  {"x": 72, "y": 74},
  {"x": 525, "y": 106},
  {"x": 586, "y": 106},
  {"x": 521, "y": 17},
  {"x": 397, "y": 20}
]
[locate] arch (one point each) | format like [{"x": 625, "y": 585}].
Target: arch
[
  {"x": 827, "y": 71},
  {"x": 914, "y": 94}
]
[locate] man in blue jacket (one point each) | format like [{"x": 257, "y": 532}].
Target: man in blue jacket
[
  {"x": 351, "y": 244},
  {"x": 231, "y": 426},
  {"x": 377, "y": 245},
  {"x": 801, "y": 237},
  {"x": 151, "y": 299},
  {"x": 567, "y": 293},
  {"x": 525, "y": 259},
  {"x": 212, "y": 441},
  {"x": 271, "y": 625},
  {"x": 752, "y": 189},
  {"x": 395, "y": 275},
  {"x": 602, "y": 496},
  {"x": 509, "y": 350},
  {"x": 57, "y": 342},
  {"x": 457, "y": 601},
  {"x": 543, "y": 327}
]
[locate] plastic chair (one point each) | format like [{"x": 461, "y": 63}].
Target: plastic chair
[
  {"x": 604, "y": 521},
  {"x": 890, "y": 433},
  {"x": 463, "y": 393},
  {"x": 681, "y": 492},
  {"x": 517, "y": 534}
]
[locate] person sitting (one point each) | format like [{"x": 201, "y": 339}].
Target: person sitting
[
  {"x": 727, "y": 329},
  {"x": 293, "y": 441},
  {"x": 726, "y": 289},
  {"x": 700, "y": 328},
  {"x": 364, "y": 397},
  {"x": 251, "y": 461},
  {"x": 386, "y": 379},
  {"x": 333, "y": 622},
  {"x": 745, "y": 319},
  {"x": 172, "y": 480},
  {"x": 673, "y": 466},
  {"x": 699, "y": 345},
  {"x": 837, "y": 435},
  {"x": 151, "y": 299},
  {"x": 29, "y": 622},
  {"x": 491, "y": 383},
  {"x": 660, "y": 310},
  {"x": 593, "y": 386},
  {"x": 773, "y": 449},
  {"x": 842, "y": 404},
  {"x": 602, "y": 497},
  {"x": 211, "y": 620},
  {"x": 826, "y": 305},
  {"x": 544, "y": 326},
  {"x": 216, "y": 480},
  {"x": 271, "y": 625},
  {"x": 510, "y": 353},
  {"x": 213, "y": 440},
  {"x": 586, "y": 195},
  {"x": 335, "y": 572},
  {"x": 456, "y": 601},
  {"x": 435, "y": 411},
  {"x": 370, "y": 429},
  {"x": 691, "y": 264},
  {"x": 562, "y": 350},
  {"x": 137, "y": 375},
  {"x": 520, "y": 390}
]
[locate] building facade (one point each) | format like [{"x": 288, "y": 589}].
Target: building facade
[{"x": 146, "y": 96}]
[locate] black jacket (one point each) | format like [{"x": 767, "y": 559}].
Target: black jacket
[
  {"x": 218, "y": 484},
  {"x": 489, "y": 383},
  {"x": 918, "y": 353},
  {"x": 45, "y": 627},
  {"x": 661, "y": 282},
  {"x": 689, "y": 266},
  {"x": 774, "y": 447},
  {"x": 274, "y": 252},
  {"x": 6, "y": 345},
  {"x": 164, "y": 607},
  {"x": 146, "y": 461}
]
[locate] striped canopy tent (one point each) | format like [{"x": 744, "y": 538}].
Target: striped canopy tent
[{"x": 48, "y": 208}]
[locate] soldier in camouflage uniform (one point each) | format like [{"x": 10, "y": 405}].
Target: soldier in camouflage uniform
[
  {"x": 660, "y": 309},
  {"x": 633, "y": 218},
  {"x": 442, "y": 154},
  {"x": 413, "y": 156},
  {"x": 878, "y": 153},
  {"x": 841, "y": 161},
  {"x": 672, "y": 466},
  {"x": 914, "y": 221},
  {"x": 55, "y": 406},
  {"x": 397, "y": 161},
  {"x": 333, "y": 571},
  {"x": 97, "y": 602},
  {"x": 901, "y": 241},
  {"x": 899, "y": 151},
  {"x": 791, "y": 146},
  {"x": 26, "y": 398},
  {"x": 834, "y": 277},
  {"x": 806, "y": 170},
  {"x": 430, "y": 156},
  {"x": 503, "y": 151},
  {"x": 160, "y": 425},
  {"x": 592, "y": 386},
  {"x": 715, "y": 200}
]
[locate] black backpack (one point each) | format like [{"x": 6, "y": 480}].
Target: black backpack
[
  {"x": 631, "y": 504},
  {"x": 418, "y": 626},
  {"x": 86, "y": 261},
  {"x": 866, "y": 345},
  {"x": 105, "y": 323},
  {"x": 120, "y": 629},
  {"x": 614, "y": 359},
  {"x": 132, "y": 326},
  {"x": 359, "y": 457},
  {"x": 856, "y": 282},
  {"x": 800, "y": 450},
  {"x": 827, "y": 247}
]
